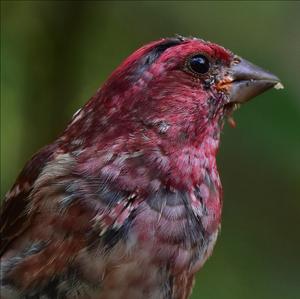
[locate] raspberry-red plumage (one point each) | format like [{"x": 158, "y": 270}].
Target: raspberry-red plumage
[{"x": 126, "y": 203}]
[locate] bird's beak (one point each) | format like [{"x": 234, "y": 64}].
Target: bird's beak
[{"x": 247, "y": 80}]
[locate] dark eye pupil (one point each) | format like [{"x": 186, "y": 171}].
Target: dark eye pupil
[{"x": 199, "y": 64}]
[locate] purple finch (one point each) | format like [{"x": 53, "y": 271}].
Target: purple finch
[{"x": 126, "y": 202}]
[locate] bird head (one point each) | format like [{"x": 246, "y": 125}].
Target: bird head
[{"x": 171, "y": 94}]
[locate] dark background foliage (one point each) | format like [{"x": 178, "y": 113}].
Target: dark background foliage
[{"x": 55, "y": 54}]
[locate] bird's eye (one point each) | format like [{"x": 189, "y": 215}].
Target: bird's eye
[{"x": 199, "y": 64}]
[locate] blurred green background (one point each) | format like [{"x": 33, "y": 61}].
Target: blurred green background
[{"x": 55, "y": 54}]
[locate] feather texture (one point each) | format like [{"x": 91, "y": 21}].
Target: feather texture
[{"x": 127, "y": 202}]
